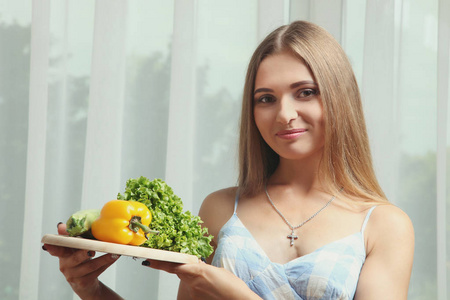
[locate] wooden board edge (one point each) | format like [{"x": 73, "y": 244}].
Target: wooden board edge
[{"x": 112, "y": 248}]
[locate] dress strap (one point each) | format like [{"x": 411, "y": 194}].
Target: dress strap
[
  {"x": 236, "y": 200},
  {"x": 367, "y": 218}
]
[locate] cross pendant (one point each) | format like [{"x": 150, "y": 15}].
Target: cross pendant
[{"x": 293, "y": 237}]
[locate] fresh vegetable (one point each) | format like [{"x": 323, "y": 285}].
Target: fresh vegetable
[
  {"x": 79, "y": 224},
  {"x": 123, "y": 222},
  {"x": 178, "y": 231}
]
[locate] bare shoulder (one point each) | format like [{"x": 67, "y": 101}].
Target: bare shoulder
[
  {"x": 390, "y": 252},
  {"x": 389, "y": 225},
  {"x": 219, "y": 202},
  {"x": 217, "y": 208}
]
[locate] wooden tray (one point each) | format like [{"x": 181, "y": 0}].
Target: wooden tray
[{"x": 127, "y": 250}]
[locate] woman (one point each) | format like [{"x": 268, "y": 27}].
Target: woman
[{"x": 308, "y": 219}]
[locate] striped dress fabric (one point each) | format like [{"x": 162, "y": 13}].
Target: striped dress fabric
[{"x": 330, "y": 272}]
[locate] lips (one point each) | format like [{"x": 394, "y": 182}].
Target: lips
[{"x": 291, "y": 133}]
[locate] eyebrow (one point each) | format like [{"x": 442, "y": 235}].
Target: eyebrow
[
  {"x": 262, "y": 90},
  {"x": 292, "y": 86},
  {"x": 297, "y": 84}
]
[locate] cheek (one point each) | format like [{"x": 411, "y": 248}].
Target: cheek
[
  {"x": 262, "y": 122},
  {"x": 318, "y": 114},
  {"x": 320, "y": 120},
  {"x": 322, "y": 126},
  {"x": 260, "y": 119},
  {"x": 317, "y": 120}
]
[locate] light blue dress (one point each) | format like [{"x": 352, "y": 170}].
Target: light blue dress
[{"x": 330, "y": 272}]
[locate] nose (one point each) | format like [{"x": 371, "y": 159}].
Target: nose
[{"x": 286, "y": 110}]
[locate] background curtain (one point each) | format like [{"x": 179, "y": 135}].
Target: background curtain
[{"x": 93, "y": 93}]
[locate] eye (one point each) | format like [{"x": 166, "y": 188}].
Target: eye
[
  {"x": 306, "y": 93},
  {"x": 265, "y": 99}
]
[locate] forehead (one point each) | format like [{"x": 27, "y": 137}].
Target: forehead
[{"x": 282, "y": 68}]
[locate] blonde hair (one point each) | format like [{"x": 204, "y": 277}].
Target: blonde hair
[{"x": 346, "y": 162}]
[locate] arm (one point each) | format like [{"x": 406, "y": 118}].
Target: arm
[
  {"x": 82, "y": 272},
  {"x": 390, "y": 247},
  {"x": 203, "y": 281},
  {"x": 183, "y": 292}
]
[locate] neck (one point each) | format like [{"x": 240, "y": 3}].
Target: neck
[{"x": 298, "y": 172}]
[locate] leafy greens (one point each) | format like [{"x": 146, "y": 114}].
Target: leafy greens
[{"x": 178, "y": 231}]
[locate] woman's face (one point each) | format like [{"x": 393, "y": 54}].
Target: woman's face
[{"x": 287, "y": 107}]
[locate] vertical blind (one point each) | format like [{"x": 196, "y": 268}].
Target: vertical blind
[{"x": 93, "y": 93}]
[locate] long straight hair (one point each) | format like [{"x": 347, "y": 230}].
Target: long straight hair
[{"x": 346, "y": 163}]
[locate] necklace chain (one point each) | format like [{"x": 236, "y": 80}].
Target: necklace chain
[{"x": 292, "y": 236}]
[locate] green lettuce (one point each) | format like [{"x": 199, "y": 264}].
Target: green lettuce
[{"x": 178, "y": 231}]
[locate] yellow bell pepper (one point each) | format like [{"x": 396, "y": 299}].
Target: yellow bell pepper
[{"x": 123, "y": 222}]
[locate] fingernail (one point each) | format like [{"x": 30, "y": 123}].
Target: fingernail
[
  {"x": 57, "y": 225},
  {"x": 43, "y": 248},
  {"x": 146, "y": 263},
  {"x": 90, "y": 253},
  {"x": 115, "y": 256}
]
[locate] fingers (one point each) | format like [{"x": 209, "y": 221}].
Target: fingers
[
  {"x": 192, "y": 270},
  {"x": 75, "y": 255},
  {"x": 183, "y": 271},
  {"x": 58, "y": 251},
  {"x": 87, "y": 269},
  {"x": 83, "y": 278},
  {"x": 162, "y": 265},
  {"x": 75, "y": 263},
  {"x": 79, "y": 267},
  {"x": 62, "y": 228}
]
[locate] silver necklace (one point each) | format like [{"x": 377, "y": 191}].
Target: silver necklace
[{"x": 292, "y": 236}]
